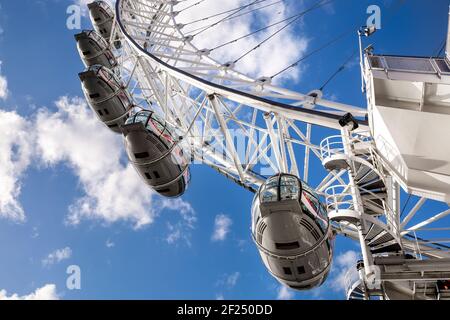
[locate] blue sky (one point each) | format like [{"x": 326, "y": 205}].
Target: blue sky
[{"x": 160, "y": 250}]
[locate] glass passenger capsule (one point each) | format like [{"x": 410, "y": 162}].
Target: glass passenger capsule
[
  {"x": 102, "y": 18},
  {"x": 106, "y": 96},
  {"x": 93, "y": 49},
  {"x": 156, "y": 153},
  {"x": 291, "y": 229}
]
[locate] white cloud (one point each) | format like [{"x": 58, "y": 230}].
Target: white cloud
[
  {"x": 57, "y": 256},
  {"x": 15, "y": 155},
  {"x": 222, "y": 225},
  {"x": 35, "y": 233},
  {"x": 181, "y": 230},
  {"x": 82, "y": 3},
  {"x": 47, "y": 292},
  {"x": 228, "y": 281},
  {"x": 284, "y": 293},
  {"x": 232, "y": 279},
  {"x": 113, "y": 191},
  {"x": 282, "y": 50},
  {"x": 3, "y": 81},
  {"x": 343, "y": 263},
  {"x": 329, "y": 8},
  {"x": 220, "y": 297},
  {"x": 73, "y": 136},
  {"x": 110, "y": 244},
  {"x": 242, "y": 244},
  {"x": 15, "y": 152}
]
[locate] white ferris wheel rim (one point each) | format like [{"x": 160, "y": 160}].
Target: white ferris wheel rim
[{"x": 268, "y": 105}]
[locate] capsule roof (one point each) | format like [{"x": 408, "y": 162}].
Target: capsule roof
[
  {"x": 281, "y": 187},
  {"x": 102, "y": 4},
  {"x": 154, "y": 123}
]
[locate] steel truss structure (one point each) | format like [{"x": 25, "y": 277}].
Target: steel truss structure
[{"x": 248, "y": 129}]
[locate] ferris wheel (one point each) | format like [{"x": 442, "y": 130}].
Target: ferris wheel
[{"x": 318, "y": 168}]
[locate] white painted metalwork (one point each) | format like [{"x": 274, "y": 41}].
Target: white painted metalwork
[{"x": 248, "y": 129}]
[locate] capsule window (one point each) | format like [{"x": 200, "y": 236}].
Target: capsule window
[
  {"x": 148, "y": 176},
  {"x": 113, "y": 126},
  {"x": 301, "y": 270},
  {"x": 287, "y": 246},
  {"x": 289, "y": 188},
  {"x": 106, "y": 112},
  {"x": 156, "y": 174},
  {"x": 94, "y": 95},
  {"x": 100, "y": 113},
  {"x": 141, "y": 155},
  {"x": 287, "y": 271},
  {"x": 280, "y": 188},
  {"x": 141, "y": 117},
  {"x": 269, "y": 192}
]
